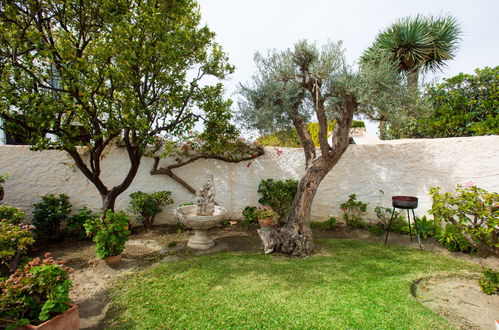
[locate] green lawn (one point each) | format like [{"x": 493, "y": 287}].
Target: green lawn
[{"x": 359, "y": 285}]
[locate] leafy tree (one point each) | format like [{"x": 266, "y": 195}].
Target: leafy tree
[
  {"x": 413, "y": 45},
  {"x": 417, "y": 44},
  {"x": 95, "y": 72},
  {"x": 293, "y": 86},
  {"x": 464, "y": 105}
]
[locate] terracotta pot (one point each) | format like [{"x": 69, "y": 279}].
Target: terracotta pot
[
  {"x": 113, "y": 261},
  {"x": 265, "y": 222},
  {"x": 67, "y": 321}
]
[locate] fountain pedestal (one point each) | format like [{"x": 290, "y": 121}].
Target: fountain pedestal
[{"x": 200, "y": 223}]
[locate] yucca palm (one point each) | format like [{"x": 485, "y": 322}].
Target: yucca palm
[{"x": 418, "y": 44}]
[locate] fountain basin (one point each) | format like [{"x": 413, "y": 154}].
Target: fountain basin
[{"x": 200, "y": 224}]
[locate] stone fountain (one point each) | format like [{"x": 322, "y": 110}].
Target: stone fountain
[{"x": 203, "y": 216}]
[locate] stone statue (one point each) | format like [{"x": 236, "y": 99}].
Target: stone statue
[{"x": 205, "y": 197}]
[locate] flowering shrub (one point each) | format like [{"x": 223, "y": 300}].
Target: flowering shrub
[
  {"x": 13, "y": 215},
  {"x": 35, "y": 293},
  {"x": 473, "y": 212},
  {"x": 14, "y": 242}
]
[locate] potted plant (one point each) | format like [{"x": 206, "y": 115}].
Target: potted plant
[
  {"x": 109, "y": 235},
  {"x": 37, "y": 297},
  {"x": 265, "y": 216}
]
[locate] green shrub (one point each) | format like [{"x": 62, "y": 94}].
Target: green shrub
[
  {"x": 76, "y": 222},
  {"x": 148, "y": 205},
  {"x": 358, "y": 123},
  {"x": 353, "y": 210},
  {"x": 489, "y": 282},
  {"x": 48, "y": 215},
  {"x": 278, "y": 194},
  {"x": 13, "y": 215},
  {"x": 473, "y": 213},
  {"x": 109, "y": 234},
  {"x": 249, "y": 216},
  {"x": 35, "y": 293},
  {"x": 14, "y": 243},
  {"x": 450, "y": 237},
  {"x": 329, "y": 224},
  {"x": 426, "y": 228}
]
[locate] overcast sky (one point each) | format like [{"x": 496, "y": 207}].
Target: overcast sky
[{"x": 246, "y": 26}]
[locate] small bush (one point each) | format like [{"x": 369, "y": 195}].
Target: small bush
[
  {"x": 148, "y": 205},
  {"x": 249, "y": 216},
  {"x": 473, "y": 213},
  {"x": 329, "y": 224},
  {"x": 427, "y": 228},
  {"x": 13, "y": 215},
  {"x": 353, "y": 211},
  {"x": 278, "y": 194},
  {"x": 14, "y": 243},
  {"x": 453, "y": 240},
  {"x": 77, "y": 221},
  {"x": 48, "y": 215},
  {"x": 109, "y": 234},
  {"x": 489, "y": 282}
]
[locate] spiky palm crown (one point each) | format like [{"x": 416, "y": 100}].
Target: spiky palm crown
[{"x": 418, "y": 43}]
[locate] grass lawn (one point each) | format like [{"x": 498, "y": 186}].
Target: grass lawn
[{"x": 353, "y": 284}]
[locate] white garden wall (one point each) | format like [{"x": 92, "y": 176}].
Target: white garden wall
[{"x": 400, "y": 167}]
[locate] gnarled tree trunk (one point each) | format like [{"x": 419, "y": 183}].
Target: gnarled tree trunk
[{"x": 295, "y": 237}]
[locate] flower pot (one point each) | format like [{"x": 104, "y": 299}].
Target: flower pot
[
  {"x": 113, "y": 261},
  {"x": 265, "y": 222},
  {"x": 67, "y": 321}
]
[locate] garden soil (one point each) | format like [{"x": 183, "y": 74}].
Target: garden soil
[{"x": 457, "y": 299}]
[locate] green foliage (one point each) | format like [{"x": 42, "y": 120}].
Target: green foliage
[
  {"x": 329, "y": 224},
  {"x": 289, "y": 138},
  {"x": 35, "y": 293},
  {"x": 417, "y": 44},
  {"x": 102, "y": 71},
  {"x": 48, "y": 215},
  {"x": 426, "y": 228},
  {"x": 13, "y": 215},
  {"x": 489, "y": 282},
  {"x": 278, "y": 194},
  {"x": 76, "y": 222},
  {"x": 358, "y": 123},
  {"x": 453, "y": 240},
  {"x": 109, "y": 234},
  {"x": 148, "y": 205},
  {"x": 14, "y": 242},
  {"x": 473, "y": 214},
  {"x": 464, "y": 105},
  {"x": 353, "y": 210},
  {"x": 3, "y": 178},
  {"x": 249, "y": 216}
]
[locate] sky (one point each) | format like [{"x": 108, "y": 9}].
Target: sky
[{"x": 244, "y": 27}]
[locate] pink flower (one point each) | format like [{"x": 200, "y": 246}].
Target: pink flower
[
  {"x": 470, "y": 183},
  {"x": 278, "y": 152}
]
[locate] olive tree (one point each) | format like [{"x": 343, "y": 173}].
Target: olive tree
[
  {"x": 91, "y": 73},
  {"x": 294, "y": 86}
]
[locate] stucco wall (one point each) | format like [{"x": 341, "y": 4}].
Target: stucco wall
[{"x": 407, "y": 167}]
